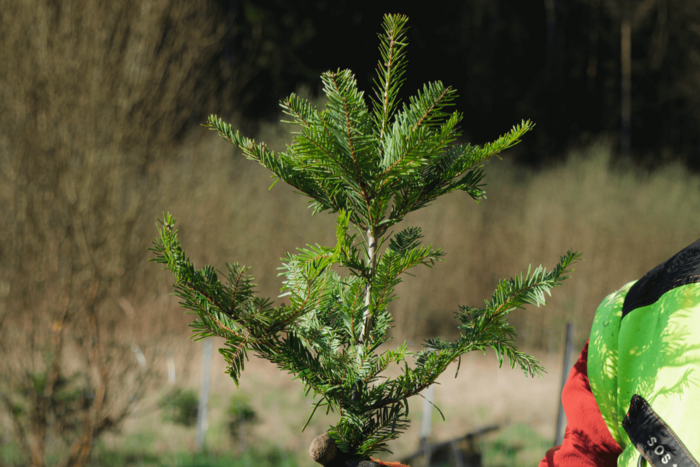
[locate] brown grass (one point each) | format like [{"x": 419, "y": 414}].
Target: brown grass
[
  {"x": 481, "y": 395},
  {"x": 624, "y": 222}
]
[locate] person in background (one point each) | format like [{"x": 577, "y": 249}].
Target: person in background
[{"x": 633, "y": 396}]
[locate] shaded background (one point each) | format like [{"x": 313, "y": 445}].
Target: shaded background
[
  {"x": 556, "y": 63},
  {"x": 100, "y": 107}
]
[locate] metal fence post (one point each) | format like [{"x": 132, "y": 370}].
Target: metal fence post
[
  {"x": 203, "y": 408},
  {"x": 170, "y": 365},
  {"x": 568, "y": 356},
  {"x": 426, "y": 422}
]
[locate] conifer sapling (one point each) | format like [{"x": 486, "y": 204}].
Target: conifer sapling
[{"x": 369, "y": 162}]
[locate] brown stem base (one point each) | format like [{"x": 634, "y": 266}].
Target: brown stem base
[{"x": 324, "y": 451}]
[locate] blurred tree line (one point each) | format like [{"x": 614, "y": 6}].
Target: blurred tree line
[{"x": 556, "y": 62}]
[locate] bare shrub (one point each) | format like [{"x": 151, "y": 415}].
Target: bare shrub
[{"x": 92, "y": 93}]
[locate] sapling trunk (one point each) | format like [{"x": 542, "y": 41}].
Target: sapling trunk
[
  {"x": 371, "y": 264},
  {"x": 370, "y": 164}
]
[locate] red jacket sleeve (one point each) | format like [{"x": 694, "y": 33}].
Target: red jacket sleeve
[{"x": 587, "y": 441}]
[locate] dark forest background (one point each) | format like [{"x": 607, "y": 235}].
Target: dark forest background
[{"x": 557, "y": 63}]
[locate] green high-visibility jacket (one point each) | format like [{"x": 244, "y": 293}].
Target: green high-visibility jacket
[{"x": 645, "y": 342}]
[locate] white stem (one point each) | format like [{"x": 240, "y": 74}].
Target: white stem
[{"x": 371, "y": 247}]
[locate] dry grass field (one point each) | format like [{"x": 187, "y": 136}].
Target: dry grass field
[
  {"x": 623, "y": 221},
  {"x": 481, "y": 395}
]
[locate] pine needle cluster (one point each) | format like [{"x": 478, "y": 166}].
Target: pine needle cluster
[{"x": 370, "y": 162}]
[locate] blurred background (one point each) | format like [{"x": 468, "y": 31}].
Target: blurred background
[{"x": 100, "y": 112}]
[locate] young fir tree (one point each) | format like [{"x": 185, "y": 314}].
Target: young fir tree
[{"x": 370, "y": 164}]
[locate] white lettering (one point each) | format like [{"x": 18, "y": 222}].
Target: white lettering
[
  {"x": 659, "y": 450},
  {"x": 652, "y": 441},
  {"x": 666, "y": 458}
]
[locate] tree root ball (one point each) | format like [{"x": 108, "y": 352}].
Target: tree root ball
[{"x": 323, "y": 449}]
